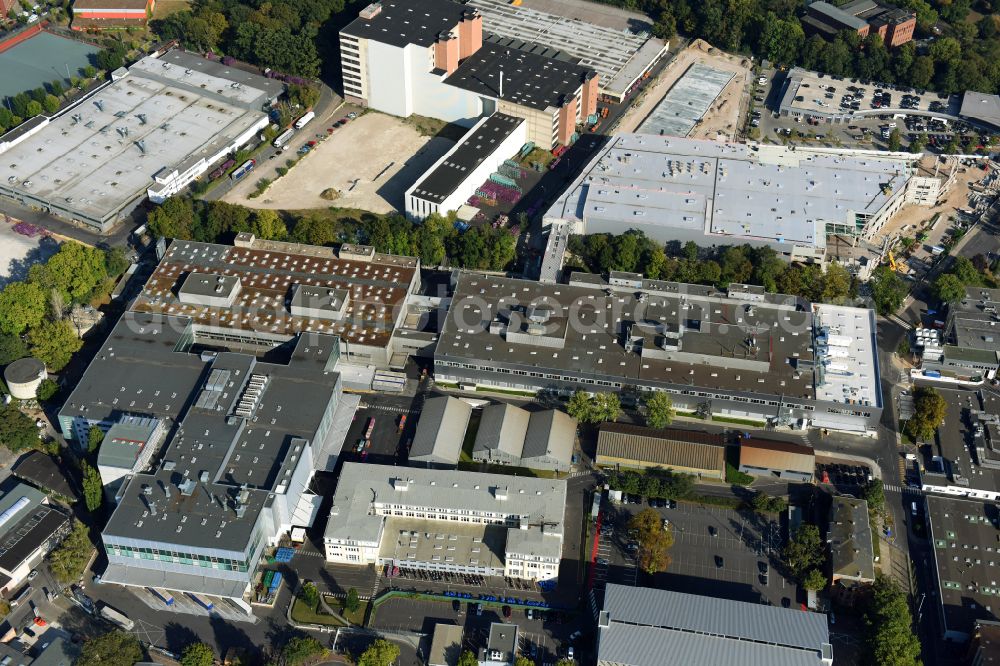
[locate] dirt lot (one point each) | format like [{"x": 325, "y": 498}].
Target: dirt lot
[
  {"x": 911, "y": 217},
  {"x": 371, "y": 161},
  {"x": 724, "y": 113}
]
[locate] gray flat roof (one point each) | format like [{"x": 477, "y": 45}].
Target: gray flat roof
[
  {"x": 411, "y": 22},
  {"x": 725, "y": 343},
  {"x": 534, "y": 500},
  {"x": 964, "y": 536},
  {"x": 828, "y": 11},
  {"x": 716, "y": 621},
  {"x": 728, "y": 192},
  {"x": 972, "y": 321},
  {"x": 94, "y": 159},
  {"x": 686, "y": 101},
  {"x": 614, "y": 53},
  {"x": 982, "y": 107}
]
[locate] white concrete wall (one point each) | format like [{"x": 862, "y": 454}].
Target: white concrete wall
[
  {"x": 389, "y": 86},
  {"x": 433, "y": 98},
  {"x": 506, "y": 149}
]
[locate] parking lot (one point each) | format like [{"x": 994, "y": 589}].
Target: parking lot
[
  {"x": 729, "y": 550},
  {"x": 387, "y": 444}
]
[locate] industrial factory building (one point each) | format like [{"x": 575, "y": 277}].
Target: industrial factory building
[
  {"x": 741, "y": 353},
  {"x": 153, "y": 129}
]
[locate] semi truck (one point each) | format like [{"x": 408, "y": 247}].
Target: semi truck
[
  {"x": 116, "y": 618},
  {"x": 162, "y": 595},
  {"x": 301, "y": 122},
  {"x": 283, "y": 138},
  {"x": 243, "y": 169}
]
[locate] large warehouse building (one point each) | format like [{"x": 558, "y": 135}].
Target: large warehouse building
[
  {"x": 432, "y": 58},
  {"x": 149, "y": 132},
  {"x": 642, "y": 626},
  {"x": 715, "y": 193},
  {"x": 741, "y": 353},
  {"x": 446, "y": 520},
  {"x": 101, "y": 14}
]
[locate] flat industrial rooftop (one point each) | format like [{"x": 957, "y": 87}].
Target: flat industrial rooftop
[
  {"x": 95, "y": 159},
  {"x": 618, "y": 55},
  {"x": 688, "y": 100},
  {"x": 726, "y": 190}
]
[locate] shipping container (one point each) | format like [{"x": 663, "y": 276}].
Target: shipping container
[
  {"x": 204, "y": 602},
  {"x": 301, "y": 122},
  {"x": 283, "y": 138},
  {"x": 116, "y": 618}
]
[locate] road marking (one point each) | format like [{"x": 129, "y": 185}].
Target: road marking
[{"x": 908, "y": 326}]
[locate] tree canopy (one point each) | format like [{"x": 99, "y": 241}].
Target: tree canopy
[
  {"x": 654, "y": 541},
  {"x": 890, "y": 640},
  {"x": 595, "y": 408},
  {"x": 93, "y": 487},
  {"x": 929, "y": 410},
  {"x": 659, "y": 409},
  {"x": 113, "y": 648},
  {"x": 301, "y": 648},
  {"x": 17, "y": 431},
  {"x": 69, "y": 559},
  {"x": 379, "y": 653},
  {"x": 804, "y": 551},
  {"x": 54, "y": 343},
  {"x": 888, "y": 290},
  {"x": 198, "y": 654}
]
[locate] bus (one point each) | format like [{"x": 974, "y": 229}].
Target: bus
[
  {"x": 116, "y": 618},
  {"x": 243, "y": 169},
  {"x": 201, "y": 601},
  {"x": 162, "y": 595}
]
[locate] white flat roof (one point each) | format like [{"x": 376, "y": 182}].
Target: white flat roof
[
  {"x": 96, "y": 158},
  {"x": 727, "y": 190},
  {"x": 849, "y": 371}
]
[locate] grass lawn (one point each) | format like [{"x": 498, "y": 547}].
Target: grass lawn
[
  {"x": 510, "y": 470},
  {"x": 357, "y": 617},
  {"x": 302, "y": 613},
  {"x": 434, "y": 127},
  {"x": 730, "y": 419},
  {"x": 470, "y": 437},
  {"x": 167, "y": 7}
]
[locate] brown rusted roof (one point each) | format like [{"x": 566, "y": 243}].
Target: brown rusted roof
[
  {"x": 774, "y": 454},
  {"x": 669, "y": 447}
]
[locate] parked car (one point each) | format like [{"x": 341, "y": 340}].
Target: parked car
[
  {"x": 506, "y": 611},
  {"x": 719, "y": 561}
]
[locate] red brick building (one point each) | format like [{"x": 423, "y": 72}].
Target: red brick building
[
  {"x": 110, "y": 13},
  {"x": 894, "y": 25}
]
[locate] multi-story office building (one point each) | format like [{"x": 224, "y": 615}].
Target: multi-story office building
[
  {"x": 432, "y": 58},
  {"x": 446, "y": 520},
  {"x": 741, "y": 353}
]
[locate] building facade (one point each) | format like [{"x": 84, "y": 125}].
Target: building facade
[{"x": 446, "y": 520}]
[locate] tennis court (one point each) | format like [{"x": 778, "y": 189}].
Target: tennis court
[{"x": 41, "y": 59}]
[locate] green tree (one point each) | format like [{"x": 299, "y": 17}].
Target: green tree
[
  {"x": 468, "y": 658},
  {"x": 17, "y": 431},
  {"x": 174, "y": 218},
  {"x": 659, "y": 409},
  {"x": 70, "y": 558},
  {"x": 873, "y": 492},
  {"x": 301, "y": 648},
  {"x": 607, "y": 406},
  {"x": 198, "y": 654},
  {"x": 521, "y": 660},
  {"x": 814, "y": 580},
  {"x": 895, "y": 139},
  {"x": 929, "y": 410},
  {"x": 804, "y": 550},
  {"x": 94, "y": 438},
  {"x": 352, "y": 603},
  {"x": 379, "y": 653},
  {"x": 887, "y": 290},
  {"x": 267, "y": 225},
  {"x": 93, "y": 487},
  {"x": 836, "y": 284},
  {"x": 113, "y": 648},
  {"x": 47, "y": 389},
  {"x": 22, "y": 306},
  {"x": 654, "y": 541},
  {"x": 581, "y": 408},
  {"x": 54, "y": 343},
  {"x": 903, "y": 350},
  {"x": 115, "y": 262},
  {"x": 33, "y": 109},
  {"x": 890, "y": 639},
  {"x": 50, "y": 104},
  {"x": 948, "y": 288},
  {"x": 309, "y": 594},
  {"x": 75, "y": 270},
  {"x": 12, "y": 347},
  {"x": 764, "y": 503}
]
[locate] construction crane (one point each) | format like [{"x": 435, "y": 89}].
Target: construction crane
[{"x": 893, "y": 264}]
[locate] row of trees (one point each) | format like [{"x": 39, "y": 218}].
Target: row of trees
[
  {"x": 633, "y": 251},
  {"x": 950, "y": 287},
  {"x": 656, "y": 483},
  {"x": 654, "y": 541},
  {"x": 435, "y": 241},
  {"x": 929, "y": 410},
  {"x": 805, "y": 556},
  {"x": 596, "y": 408},
  {"x": 279, "y": 35},
  {"x": 965, "y": 59}
]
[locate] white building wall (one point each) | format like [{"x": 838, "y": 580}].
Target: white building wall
[
  {"x": 432, "y": 97},
  {"x": 388, "y": 83},
  {"x": 418, "y": 209}
]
